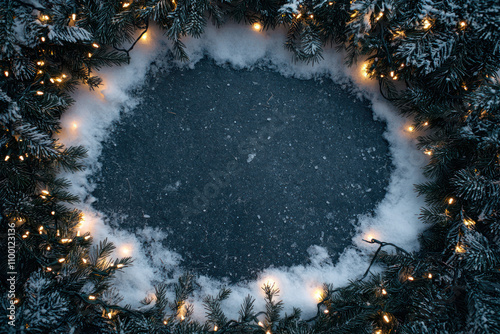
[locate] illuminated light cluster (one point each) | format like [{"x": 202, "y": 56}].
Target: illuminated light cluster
[
  {"x": 318, "y": 294},
  {"x": 459, "y": 248},
  {"x": 469, "y": 222},
  {"x": 257, "y": 26},
  {"x": 379, "y": 16},
  {"x": 384, "y": 292},
  {"x": 66, "y": 240},
  {"x": 26, "y": 234},
  {"x": 411, "y": 129},
  {"x": 427, "y": 24},
  {"x": 364, "y": 70},
  {"x": 428, "y": 152},
  {"x": 126, "y": 4}
]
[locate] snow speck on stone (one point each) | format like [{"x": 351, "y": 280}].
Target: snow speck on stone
[{"x": 251, "y": 156}]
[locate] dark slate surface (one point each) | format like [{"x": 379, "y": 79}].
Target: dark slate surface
[{"x": 244, "y": 169}]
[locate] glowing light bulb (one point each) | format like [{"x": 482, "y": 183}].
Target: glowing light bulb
[
  {"x": 84, "y": 260},
  {"x": 87, "y": 237},
  {"x": 451, "y": 200},
  {"x": 91, "y": 297},
  {"x": 216, "y": 328},
  {"x": 89, "y": 55},
  {"x": 126, "y": 4},
  {"x": 73, "y": 17},
  {"x": 330, "y": 3},
  {"x": 429, "y": 276},
  {"x": 299, "y": 15},
  {"x": 119, "y": 266},
  {"x": 21, "y": 158},
  {"x": 410, "y": 278},
  {"x": 45, "y": 192},
  {"x": 110, "y": 315},
  {"x": 391, "y": 74},
  {"x": 364, "y": 69},
  {"x": 261, "y": 324},
  {"x": 459, "y": 248},
  {"x": 469, "y": 222},
  {"x": 144, "y": 36},
  {"x": 395, "y": 78},
  {"x": 48, "y": 248},
  {"x": 427, "y": 24},
  {"x": 64, "y": 76},
  {"x": 426, "y": 123},
  {"x": 51, "y": 80},
  {"x": 463, "y": 24},
  {"x": 318, "y": 294},
  {"x": 379, "y": 16},
  {"x": 61, "y": 260},
  {"x": 78, "y": 233},
  {"x": 386, "y": 318},
  {"x": 411, "y": 128},
  {"x": 257, "y": 26},
  {"x": 165, "y": 322},
  {"x": 311, "y": 16},
  {"x": 59, "y": 80},
  {"x": 40, "y": 228},
  {"x": 384, "y": 292},
  {"x": 6, "y": 73},
  {"x": 428, "y": 152},
  {"x": 49, "y": 269},
  {"x": 182, "y": 317},
  {"x": 326, "y": 311},
  {"x": 402, "y": 65},
  {"x": 95, "y": 45},
  {"x": 7, "y": 157},
  {"x": 39, "y": 92},
  {"x": 42, "y": 39}
]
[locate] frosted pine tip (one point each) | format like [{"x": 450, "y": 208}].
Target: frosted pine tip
[{"x": 257, "y": 26}]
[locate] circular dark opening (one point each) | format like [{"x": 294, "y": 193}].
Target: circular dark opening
[{"x": 244, "y": 169}]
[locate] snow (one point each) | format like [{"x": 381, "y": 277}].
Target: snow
[{"x": 88, "y": 122}]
